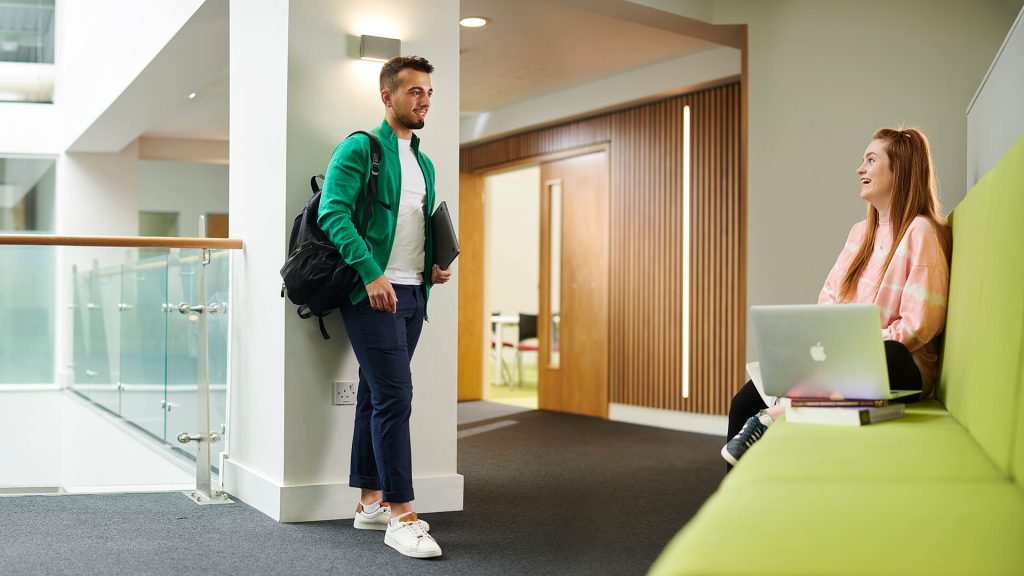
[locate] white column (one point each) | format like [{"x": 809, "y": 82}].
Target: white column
[
  {"x": 297, "y": 89},
  {"x": 97, "y": 195}
]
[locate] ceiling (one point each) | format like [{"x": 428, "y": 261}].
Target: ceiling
[
  {"x": 204, "y": 117},
  {"x": 530, "y": 47}
]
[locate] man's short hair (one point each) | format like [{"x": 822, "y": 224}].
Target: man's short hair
[{"x": 389, "y": 72}]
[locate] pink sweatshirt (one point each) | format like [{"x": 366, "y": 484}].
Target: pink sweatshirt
[{"x": 912, "y": 295}]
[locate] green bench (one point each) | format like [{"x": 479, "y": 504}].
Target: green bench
[{"x": 940, "y": 491}]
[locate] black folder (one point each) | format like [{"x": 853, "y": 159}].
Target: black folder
[{"x": 446, "y": 244}]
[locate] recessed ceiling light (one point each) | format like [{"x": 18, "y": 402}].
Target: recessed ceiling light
[
  {"x": 474, "y": 22},
  {"x": 192, "y": 96}
]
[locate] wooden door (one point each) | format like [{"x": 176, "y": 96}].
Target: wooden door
[
  {"x": 473, "y": 322},
  {"x": 573, "y": 319},
  {"x": 216, "y": 225}
]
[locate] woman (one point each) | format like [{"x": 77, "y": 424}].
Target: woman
[{"x": 898, "y": 259}]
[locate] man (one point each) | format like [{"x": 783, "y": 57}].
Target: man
[{"x": 384, "y": 320}]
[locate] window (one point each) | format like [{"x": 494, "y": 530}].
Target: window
[
  {"x": 26, "y": 50},
  {"x": 27, "y": 273}
]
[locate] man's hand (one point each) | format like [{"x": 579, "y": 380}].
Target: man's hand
[
  {"x": 382, "y": 295},
  {"x": 438, "y": 276}
]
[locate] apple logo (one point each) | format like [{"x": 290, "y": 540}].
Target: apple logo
[{"x": 818, "y": 352}]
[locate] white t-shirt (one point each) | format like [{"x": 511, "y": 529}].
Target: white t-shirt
[{"x": 407, "y": 253}]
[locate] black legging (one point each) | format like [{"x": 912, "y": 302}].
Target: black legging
[{"x": 903, "y": 375}]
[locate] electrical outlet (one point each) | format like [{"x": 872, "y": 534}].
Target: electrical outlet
[{"x": 345, "y": 393}]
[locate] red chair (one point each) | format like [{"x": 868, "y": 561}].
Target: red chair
[{"x": 527, "y": 341}]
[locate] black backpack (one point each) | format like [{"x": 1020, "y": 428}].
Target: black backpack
[{"x": 316, "y": 278}]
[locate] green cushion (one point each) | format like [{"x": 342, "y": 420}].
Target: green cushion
[
  {"x": 1017, "y": 469},
  {"x": 968, "y": 222},
  {"x": 806, "y": 528},
  {"x": 1010, "y": 182},
  {"x": 926, "y": 445},
  {"x": 981, "y": 377}
]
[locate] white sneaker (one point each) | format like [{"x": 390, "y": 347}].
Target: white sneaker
[
  {"x": 409, "y": 538},
  {"x": 379, "y": 519}
]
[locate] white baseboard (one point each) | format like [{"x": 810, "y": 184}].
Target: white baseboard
[
  {"x": 683, "y": 421},
  {"x": 252, "y": 488},
  {"x": 315, "y": 502},
  {"x": 135, "y": 488}
]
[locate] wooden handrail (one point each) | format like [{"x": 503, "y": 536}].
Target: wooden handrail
[{"x": 121, "y": 241}]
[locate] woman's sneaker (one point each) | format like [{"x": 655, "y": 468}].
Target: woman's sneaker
[
  {"x": 751, "y": 432},
  {"x": 406, "y": 534},
  {"x": 378, "y": 519}
]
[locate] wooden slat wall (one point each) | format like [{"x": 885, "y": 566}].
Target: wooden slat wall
[{"x": 645, "y": 361}]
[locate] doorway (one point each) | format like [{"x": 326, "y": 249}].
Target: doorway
[
  {"x": 535, "y": 306},
  {"x": 512, "y": 249}
]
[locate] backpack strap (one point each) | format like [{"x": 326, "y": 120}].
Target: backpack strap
[
  {"x": 304, "y": 312},
  {"x": 371, "y": 189},
  {"x": 370, "y": 197}
]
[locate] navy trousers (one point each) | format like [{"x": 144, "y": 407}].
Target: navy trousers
[{"x": 384, "y": 344}]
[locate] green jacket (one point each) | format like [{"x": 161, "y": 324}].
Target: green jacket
[{"x": 342, "y": 199}]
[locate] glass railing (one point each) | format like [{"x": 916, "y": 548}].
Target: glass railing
[
  {"x": 27, "y": 279},
  {"x": 136, "y": 341},
  {"x": 110, "y": 373}
]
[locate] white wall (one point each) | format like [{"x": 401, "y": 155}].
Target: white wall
[
  {"x": 822, "y": 77},
  {"x": 513, "y": 240},
  {"x": 995, "y": 119},
  {"x": 298, "y": 88},
  {"x": 662, "y": 79},
  {"x": 90, "y": 78},
  {"x": 30, "y": 129},
  {"x": 259, "y": 73},
  {"x": 188, "y": 188},
  {"x": 184, "y": 150},
  {"x": 97, "y": 195}
]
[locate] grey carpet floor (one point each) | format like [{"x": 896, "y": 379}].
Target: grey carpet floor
[
  {"x": 547, "y": 494},
  {"x": 470, "y": 412}
]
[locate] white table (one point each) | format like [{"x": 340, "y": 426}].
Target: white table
[{"x": 498, "y": 324}]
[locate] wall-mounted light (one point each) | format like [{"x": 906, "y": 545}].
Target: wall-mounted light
[
  {"x": 378, "y": 48},
  {"x": 192, "y": 96},
  {"x": 474, "y": 22}
]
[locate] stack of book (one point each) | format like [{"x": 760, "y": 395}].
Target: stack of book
[{"x": 842, "y": 412}]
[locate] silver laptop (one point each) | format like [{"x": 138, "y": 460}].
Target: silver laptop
[{"x": 833, "y": 351}]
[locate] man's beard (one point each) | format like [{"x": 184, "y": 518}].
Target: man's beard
[{"x": 413, "y": 122}]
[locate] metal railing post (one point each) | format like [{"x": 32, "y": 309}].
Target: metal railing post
[{"x": 204, "y": 492}]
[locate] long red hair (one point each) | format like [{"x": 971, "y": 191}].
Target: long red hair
[{"x": 914, "y": 193}]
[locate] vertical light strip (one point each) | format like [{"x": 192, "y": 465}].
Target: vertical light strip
[{"x": 686, "y": 251}]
